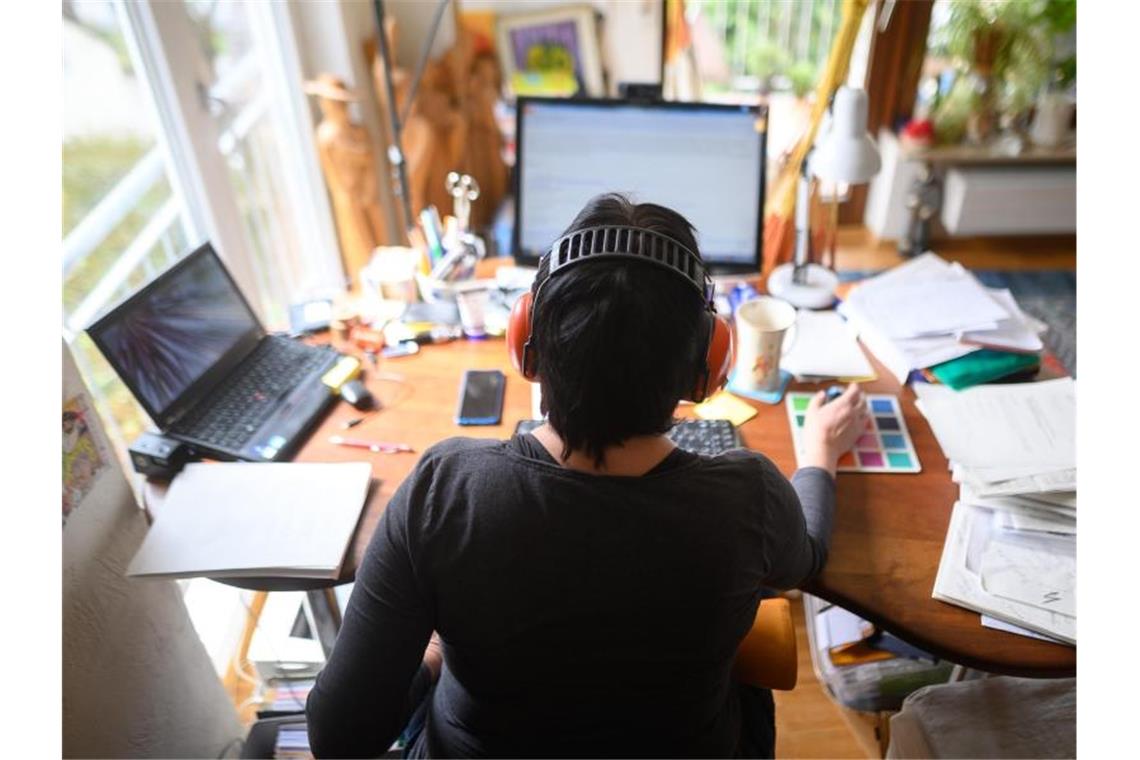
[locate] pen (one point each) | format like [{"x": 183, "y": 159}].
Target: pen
[{"x": 379, "y": 447}]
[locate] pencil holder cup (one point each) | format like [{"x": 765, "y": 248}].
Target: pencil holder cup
[{"x": 762, "y": 327}]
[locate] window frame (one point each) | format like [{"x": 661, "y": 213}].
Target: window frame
[{"x": 163, "y": 51}]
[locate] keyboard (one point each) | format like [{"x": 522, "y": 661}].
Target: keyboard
[
  {"x": 705, "y": 437},
  {"x": 230, "y": 416}
]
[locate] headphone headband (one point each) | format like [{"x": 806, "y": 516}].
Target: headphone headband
[
  {"x": 636, "y": 244},
  {"x": 613, "y": 242}
]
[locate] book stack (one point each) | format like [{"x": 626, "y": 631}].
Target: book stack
[
  {"x": 929, "y": 313},
  {"x": 289, "y": 696},
  {"x": 1010, "y": 551},
  {"x": 292, "y": 742}
]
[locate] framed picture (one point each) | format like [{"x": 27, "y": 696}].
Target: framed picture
[{"x": 556, "y": 50}]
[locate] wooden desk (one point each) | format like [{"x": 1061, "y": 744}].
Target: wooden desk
[{"x": 889, "y": 529}]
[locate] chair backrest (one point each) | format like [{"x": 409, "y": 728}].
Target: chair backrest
[{"x": 767, "y": 656}]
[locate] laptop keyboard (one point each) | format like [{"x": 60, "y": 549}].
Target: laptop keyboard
[
  {"x": 234, "y": 412},
  {"x": 705, "y": 437}
]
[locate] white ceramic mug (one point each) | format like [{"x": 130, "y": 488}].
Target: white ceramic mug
[{"x": 761, "y": 326}]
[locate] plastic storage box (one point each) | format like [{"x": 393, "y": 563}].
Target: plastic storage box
[{"x": 872, "y": 686}]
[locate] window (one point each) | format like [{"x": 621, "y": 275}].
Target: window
[
  {"x": 770, "y": 51},
  {"x": 771, "y": 46},
  {"x": 122, "y": 222},
  {"x": 185, "y": 121}
]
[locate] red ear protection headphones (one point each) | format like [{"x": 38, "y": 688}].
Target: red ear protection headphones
[{"x": 629, "y": 244}]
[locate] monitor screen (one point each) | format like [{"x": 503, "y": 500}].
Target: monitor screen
[
  {"x": 705, "y": 161},
  {"x": 169, "y": 335}
]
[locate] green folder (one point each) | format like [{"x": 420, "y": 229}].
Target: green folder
[{"x": 982, "y": 367}]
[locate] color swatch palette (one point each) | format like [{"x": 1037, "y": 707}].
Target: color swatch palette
[{"x": 884, "y": 446}]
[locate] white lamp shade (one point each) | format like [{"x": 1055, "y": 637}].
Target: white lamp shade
[{"x": 847, "y": 153}]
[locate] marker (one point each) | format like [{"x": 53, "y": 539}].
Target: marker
[
  {"x": 833, "y": 393},
  {"x": 378, "y": 447}
]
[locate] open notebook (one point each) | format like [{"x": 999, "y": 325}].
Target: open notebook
[{"x": 255, "y": 520}]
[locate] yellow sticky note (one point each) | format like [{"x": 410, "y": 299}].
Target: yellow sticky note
[{"x": 725, "y": 406}]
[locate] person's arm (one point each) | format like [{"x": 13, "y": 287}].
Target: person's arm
[
  {"x": 377, "y": 673},
  {"x": 798, "y": 532}
]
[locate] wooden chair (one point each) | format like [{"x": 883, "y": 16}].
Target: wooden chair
[{"x": 767, "y": 656}]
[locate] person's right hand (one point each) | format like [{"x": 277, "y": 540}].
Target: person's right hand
[{"x": 831, "y": 429}]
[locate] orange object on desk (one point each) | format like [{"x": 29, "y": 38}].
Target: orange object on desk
[{"x": 367, "y": 339}]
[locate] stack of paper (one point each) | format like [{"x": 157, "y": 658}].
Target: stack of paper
[
  {"x": 292, "y": 742},
  {"x": 928, "y": 311},
  {"x": 824, "y": 347},
  {"x": 1006, "y": 440},
  {"x": 255, "y": 520},
  {"x": 1010, "y": 551}
]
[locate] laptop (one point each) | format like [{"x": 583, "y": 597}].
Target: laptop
[{"x": 193, "y": 353}]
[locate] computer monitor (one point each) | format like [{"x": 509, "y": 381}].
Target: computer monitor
[{"x": 703, "y": 160}]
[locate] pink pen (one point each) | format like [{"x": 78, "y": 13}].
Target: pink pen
[{"x": 378, "y": 447}]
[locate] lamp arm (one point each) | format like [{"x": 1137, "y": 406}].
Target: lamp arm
[{"x": 802, "y": 255}]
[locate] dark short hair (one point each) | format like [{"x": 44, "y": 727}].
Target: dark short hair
[{"x": 617, "y": 342}]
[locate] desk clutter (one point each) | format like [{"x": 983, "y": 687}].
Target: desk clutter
[
  {"x": 244, "y": 519},
  {"x": 931, "y": 316},
  {"x": 1010, "y": 551}
]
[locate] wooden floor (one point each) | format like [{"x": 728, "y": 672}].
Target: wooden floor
[
  {"x": 809, "y": 724},
  {"x": 857, "y": 249}
]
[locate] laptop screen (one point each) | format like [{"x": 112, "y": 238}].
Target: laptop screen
[{"x": 188, "y": 326}]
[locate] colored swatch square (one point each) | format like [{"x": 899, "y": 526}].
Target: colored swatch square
[
  {"x": 881, "y": 406},
  {"x": 899, "y": 459},
  {"x": 799, "y": 403},
  {"x": 870, "y": 459},
  {"x": 893, "y": 441},
  {"x": 847, "y": 459},
  {"x": 887, "y": 423},
  {"x": 799, "y": 420},
  {"x": 867, "y": 441}
]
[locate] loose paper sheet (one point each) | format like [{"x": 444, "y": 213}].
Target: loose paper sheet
[
  {"x": 959, "y": 581},
  {"x": 1036, "y": 573},
  {"x": 1027, "y": 428},
  {"x": 825, "y": 346}
]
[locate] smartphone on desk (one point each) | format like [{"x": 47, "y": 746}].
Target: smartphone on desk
[{"x": 481, "y": 397}]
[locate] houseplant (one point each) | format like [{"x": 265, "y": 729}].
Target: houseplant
[{"x": 1002, "y": 49}]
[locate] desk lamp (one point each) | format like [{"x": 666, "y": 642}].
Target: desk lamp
[{"x": 847, "y": 155}]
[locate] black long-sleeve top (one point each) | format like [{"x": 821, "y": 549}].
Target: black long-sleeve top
[{"x": 580, "y": 614}]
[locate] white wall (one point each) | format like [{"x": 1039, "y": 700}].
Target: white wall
[{"x": 136, "y": 680}]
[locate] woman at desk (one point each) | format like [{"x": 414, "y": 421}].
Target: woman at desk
[{"x": 589, "y": 582}]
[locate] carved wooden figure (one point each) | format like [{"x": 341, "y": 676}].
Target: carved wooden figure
[{"x": 348, "y": 162}]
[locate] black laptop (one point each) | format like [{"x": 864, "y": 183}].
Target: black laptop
[{"x": 194, "y": 355}]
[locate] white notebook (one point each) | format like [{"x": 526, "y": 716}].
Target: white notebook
[{"x": 255, "y": 519}]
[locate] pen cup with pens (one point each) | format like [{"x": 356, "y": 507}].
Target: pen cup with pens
[{"x": 451, "y": 250}]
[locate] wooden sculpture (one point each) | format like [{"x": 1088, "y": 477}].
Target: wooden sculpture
[{"x": 348, "y": 162}]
